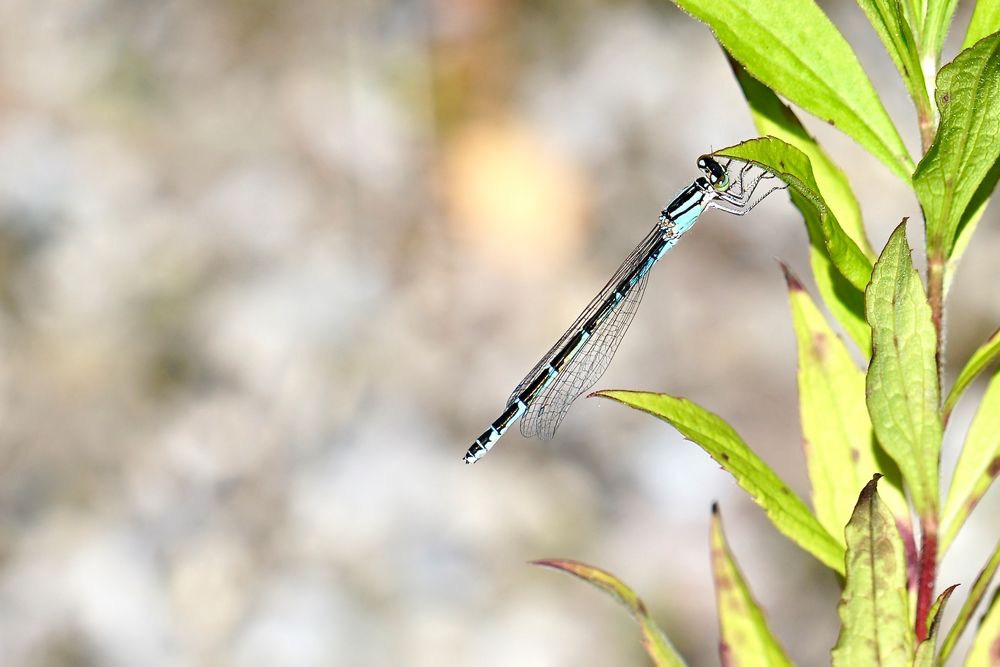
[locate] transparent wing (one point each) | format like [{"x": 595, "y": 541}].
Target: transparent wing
[
  {"x": 547, "y": 411},
  {"x": 627, "y": 267}
]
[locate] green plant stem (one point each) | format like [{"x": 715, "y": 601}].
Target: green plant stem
[
  {"x": 928, "y": 128},
  {"x": 927, "y": 575}
]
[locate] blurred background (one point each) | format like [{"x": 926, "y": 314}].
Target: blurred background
[{"x": 267, "y": 268}]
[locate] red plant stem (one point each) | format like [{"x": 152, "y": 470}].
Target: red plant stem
[{"x": 928, "y": 573}]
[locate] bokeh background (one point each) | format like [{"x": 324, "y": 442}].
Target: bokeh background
[{"x": 266, "y": 268}]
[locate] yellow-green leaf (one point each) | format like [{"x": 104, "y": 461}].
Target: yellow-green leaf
[
  {"x": 976, "y": 595},
  {"x": 874, "y": 607},
  {"x": 745, "y": 640},
  {"x": 658, "y": 647},
  {"x": 978, "y": 465},
  {"x": 925, "y": 650},
  {"x": 793, "y": 48},
  {"x": 980, "y": 360},
  {"x": 707, "y": 430},
  {"x": 985, "y": 651},
  {"x": 836, "y": 430},
  {"x": 936, "y": 22},
  {"x": 985, "y": 21},
  {"x": 888, "y": 19},
  {"x": 902, "y": 382}
]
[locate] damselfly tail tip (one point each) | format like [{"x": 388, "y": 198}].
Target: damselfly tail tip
[{"x": 476, "y": 452}]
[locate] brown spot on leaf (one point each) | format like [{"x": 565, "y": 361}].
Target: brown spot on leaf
[
  {"x": 994, "y": 468},
  {"x": 945, "y": 98},
  {"x": 819, "y": 346},
  {"x": 855, "y": 454}
]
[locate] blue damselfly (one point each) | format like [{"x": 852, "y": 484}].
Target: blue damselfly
[{"x": 583, "y": 353}]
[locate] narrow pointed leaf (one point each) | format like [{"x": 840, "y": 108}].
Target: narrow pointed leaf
[
  {"x": 836, "y": 430},
  {"x": 978, "y": 464},
  {"x": 985, "y": 651},
  {"x": 887, "y": 17},
  {"x": 827, "y": 236},
  {"x": 657, "y": 646},
  {"x": 925, "y": 650},
  {"x": 985, "y": 21},
  {"x": 967, "y": 142},
  {"x": 873, "y": 608},
  {"x": 980, "y": 360},
  {"x": 707, "y": 430},
  {"x": 969, "y": 221},
  {"x": 745, "y": 640},
  {"x": 902, "y": 382},
  {"x": 794, "y": 49},
  {"x": 938, "y": 18},
  {"x": 976, "y": 595}
]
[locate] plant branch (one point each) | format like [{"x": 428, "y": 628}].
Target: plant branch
[{"x": 927, "y": 575}]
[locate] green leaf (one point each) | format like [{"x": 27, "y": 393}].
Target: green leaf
[
  {"x": 936, "y": 22},
  {"x": 969, "y": 221},
  {"x": 977, "y": 467},
  {"x": 976, "y": 595},
  {"x": 925, "y": 649},
  {"x": 831, "y": 244},
  {"x": 902, "y": 383},
  {"x": 745, "y": 638},
  {"x": 985, "y": 21},
  {"x": 657, "y": 646},
  {"x": 836, "y": 431},
  {"x": 967, "y": 142},
  {"x": 874, "y": 607},
  {"x": 785, "y": 509},
  {"x": 977, "y": 363},
  {"x": 772, "y": 117},
  {"x": 794, "y": 49},
  {"x": 986, "y": 645},
  {"x": 886, "y": 16}
]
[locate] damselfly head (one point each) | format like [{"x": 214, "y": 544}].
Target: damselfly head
[{"x": 717, "y": 175}]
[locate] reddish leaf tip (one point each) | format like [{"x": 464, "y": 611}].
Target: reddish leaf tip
[{"x": 794, "y": 284}]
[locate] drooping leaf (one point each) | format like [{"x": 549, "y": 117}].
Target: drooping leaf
[
  {"x": 657, "y": 646},
  {"x": 745, "y": 640},
  {"x": 793, "y": 48},
  {"x": 967, "y": 142},
  {"x": 889, "y": 21},
  {"x": 831, "y": 241},
  {"x": 925, "y": 650},
  {"x": 980, "y": 360},
  {"x": 976, "y": 595},
  {"x": 985, "y": 651},
  {"x": 874, "y": 607},
  {"x": 836, "y": 430},
  {"x": 707, "y": 430},
  {"x": 985, "y": 21},
  {"x": 902, "y": 381},
  {"x": 978, "y": 465},
  {"x": 774, "y": 118}
]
